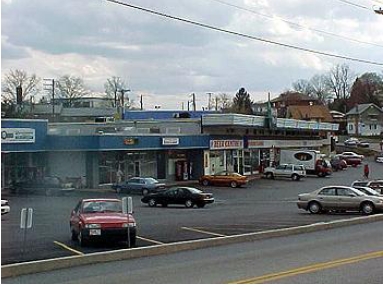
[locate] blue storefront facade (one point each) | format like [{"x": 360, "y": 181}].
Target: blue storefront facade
[
  {"x": 91, "y": 154},
  {"x": 94, "y": 159}
]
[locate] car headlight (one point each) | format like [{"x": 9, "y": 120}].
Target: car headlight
[
  {"x": 130, "y": 224},
  {"x": 92, "y": 225}
]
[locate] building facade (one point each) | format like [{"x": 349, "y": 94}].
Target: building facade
[{"x": 167, "y": 149}]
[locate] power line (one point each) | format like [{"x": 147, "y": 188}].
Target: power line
[
  {"x": 355, "y": 5},
  {"x": 243, "y": 35},
  {"x": 295, "y": 24}
]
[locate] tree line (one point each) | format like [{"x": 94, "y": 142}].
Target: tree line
[{"x": 339, "y": 88}]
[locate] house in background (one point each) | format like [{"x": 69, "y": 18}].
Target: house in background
[
  {"x": 319, "y": 113},
  {"x": 292, "y": 98},
  {"x": 365, "y": 120}
]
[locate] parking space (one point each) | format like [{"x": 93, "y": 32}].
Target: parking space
[{"x": 262, "y": 205}]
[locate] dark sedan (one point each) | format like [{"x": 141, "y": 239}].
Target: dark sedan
[
  {"x": 179, "y": 195},
  {"x": 139, "y": 185}
]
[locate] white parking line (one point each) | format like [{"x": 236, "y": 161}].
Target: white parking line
[
  {"x": 68, "y": 248},
  {"x": 203, "y": 231},
  {"x": 150, "y": 240}
]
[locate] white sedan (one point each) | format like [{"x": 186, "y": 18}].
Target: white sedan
[
  {"x": 5, "y": 207},
  {"x": 351, "y": 155}
]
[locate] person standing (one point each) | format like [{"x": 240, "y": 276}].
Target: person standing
[{"x": 366, "y": 171}]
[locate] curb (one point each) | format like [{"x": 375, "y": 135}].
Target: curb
[{"x": 17, "y": 269}]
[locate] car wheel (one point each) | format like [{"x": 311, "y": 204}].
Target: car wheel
[
  {"x": 269, "y": 175},
  {"x": 233, "y": 184},
  {"x": 145, "y": 192},
  {"x": 152, "y": 203},
  {"x": 205, "y": 183},
  {"x": 367, "y": 208},
  {"x": 320, "y": 174},
  {"x": 295, "y": 177},
  {"x": 118, "y": 190},
  {"x": 315, "y": 208},
  {"x": 189, "y": 204},
  {"x": 73, "y": 235},
  {"x": 81, "y": 240},
  {"x": 201, "y": 205}
]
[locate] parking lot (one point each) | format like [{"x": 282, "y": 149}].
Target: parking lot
[{"x": 263, "y": 204}]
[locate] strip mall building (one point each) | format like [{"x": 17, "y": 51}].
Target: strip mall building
[{"x": 166, "y": 149}]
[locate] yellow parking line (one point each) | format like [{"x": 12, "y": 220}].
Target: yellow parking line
[
  {"x": 203, "y": 231},
  {"x": 310, "y": 268},
  {"x": 68, "y": 248},
  {"x": 150, "y": 240}
]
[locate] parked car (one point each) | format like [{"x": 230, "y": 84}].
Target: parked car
[
  {"x": 376, "y": 184},
  {"x": 363, "y": 144},
  {"x": 139, "y": 185},
  {"x": 379, "y": 158},
  {"x": 368, "y": 191},
  {"x": 337, "y": 163},
  {"x": 179, "y": 195},
  {"x": 351, "y": 142},
  {"x": 44, "y": 183},
  {"x": 352, "y": 158},
  {"x": 101, "y": 219},
  {"x": 295, "y": 172},
  {"x": 343, "y": 198},
  {"x": 224, "y": 178},
  {"x": 5, "y": 208}
]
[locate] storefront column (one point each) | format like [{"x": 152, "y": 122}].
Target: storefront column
[{"x": 92, "y": 170}]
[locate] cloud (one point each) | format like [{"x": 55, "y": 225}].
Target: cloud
[{"x": 96, "y": 39}]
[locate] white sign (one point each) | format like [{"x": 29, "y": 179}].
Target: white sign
[
  {"x": 226, "y": 144},
  {"x": 26, "y": 218},
  {"x": 169, "y": 141},
  {"x": 127, "y": 205},
  {"x": 17, "y": 135}
]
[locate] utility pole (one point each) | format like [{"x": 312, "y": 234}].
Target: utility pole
[
  {"x": 193, "y": 101},
  {"x": 122, "y": 101},
  {"x": 141, "y": 103},
  {"x": 209, "y": 102},
  {"x": 49, "y": 85}
]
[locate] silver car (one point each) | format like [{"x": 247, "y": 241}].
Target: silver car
[{"x": 341, "y": 198}]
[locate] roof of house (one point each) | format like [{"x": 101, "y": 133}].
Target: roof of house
[
  {"x": 361, "y": 108},
  {"x": 309, "y": 112},
  {"x": 293, "y": 96}
]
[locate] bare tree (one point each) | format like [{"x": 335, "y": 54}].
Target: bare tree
[
  {"x": 113, "y": 87},
  {"x": 17, "y": 78},
  {"x": 339, "y": 81},
  {"x": 223, "y": 101},
  {"x": 71, "y": 88},
  {"x": 320, "y": 88},
  {"x": 303, "y": 86}
]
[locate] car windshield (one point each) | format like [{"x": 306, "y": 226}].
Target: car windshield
[
  {"x": 151, "y": 181},
  {"x": 102, "y": 207},
  {"x": 369, "y": 191},
  {"x": 194, "y": 190},
  {"x": 358, "y": 192}
]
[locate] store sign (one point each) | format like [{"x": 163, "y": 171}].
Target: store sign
[
  {"x": 255, "y": 143},
  {"x": 17, "y": 135},
  {"x": 170, "y": 141},
  {"x": 226, "y": 144},
  {"x": 130, "y": 141}
]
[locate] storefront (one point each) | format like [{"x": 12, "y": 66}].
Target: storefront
[{"x": 224, "y": 155}]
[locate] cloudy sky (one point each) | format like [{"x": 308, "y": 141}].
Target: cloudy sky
[{"x": 166, "y": 60}]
